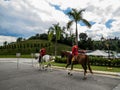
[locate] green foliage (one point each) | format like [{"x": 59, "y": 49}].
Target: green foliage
[
  {"x": 34, "y": 43},
  {"x": 99, "y": 61},
  {"x": 31, "y": 46},
  {"x": 96, "y": 61},
  {"x": 60, "y": 60},
  {"x": 76, "y": 16},
  {"x": 87, "y": 43}
]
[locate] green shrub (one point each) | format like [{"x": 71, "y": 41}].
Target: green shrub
[
  {"x": 60, "y": 60},
  {"x": 100, "y": 61},
  {"x": 96, "y": 61}
]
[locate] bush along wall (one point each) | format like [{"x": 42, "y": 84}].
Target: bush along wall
[
  {"x": 96, "y": 61},
  {"x": 100, "y": 61},
  {"x": 60, "y": 60}
]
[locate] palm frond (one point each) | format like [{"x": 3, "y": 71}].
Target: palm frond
[
  {"x": 51, "y": 29},
  {"x": 69, "y": 24},
  {"x": 50, "y": 35},
  {"x": 74, "y": 10},
  {"x": 86, "y": 23},
  {"x": 81, "y": 11}
]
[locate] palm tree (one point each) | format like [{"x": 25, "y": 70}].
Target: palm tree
[
  {"x": 76, "y": 16},
  {"x": 50, "y": 36},
  {"x": 5, "y": 43},
  {"x": 83, "y": 36},
  {"x": 57, "y": 30},
  {"x": 19, "y": 39}
]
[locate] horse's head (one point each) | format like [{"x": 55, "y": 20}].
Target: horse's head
[
  {"x": 65, "y": 54},
  {"x": 62, "y": 54}
]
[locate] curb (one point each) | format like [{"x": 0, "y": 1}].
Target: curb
[{"x": 94, "y": 71}]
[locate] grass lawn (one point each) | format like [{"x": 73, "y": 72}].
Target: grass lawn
[{"x": 99, "y": 68}]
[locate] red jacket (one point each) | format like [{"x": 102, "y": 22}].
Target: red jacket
[
  {"x": 42, "y": 51},
  {"x": 75, "y": 50}
]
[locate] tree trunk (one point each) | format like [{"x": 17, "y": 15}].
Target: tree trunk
[
  {"x": 55, "y": 47},
  {"x": 76, "y": 38}
]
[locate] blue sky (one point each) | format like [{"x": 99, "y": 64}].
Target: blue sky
[
  {"x": 108, "y": 23},
  {"x": 24, "y": 18}
]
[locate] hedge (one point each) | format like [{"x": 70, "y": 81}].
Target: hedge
[{"x": 96, "y": 61}]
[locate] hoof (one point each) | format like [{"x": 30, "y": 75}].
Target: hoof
[{"x": 70, "y": 74}]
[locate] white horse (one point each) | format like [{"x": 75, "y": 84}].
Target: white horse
[{"x": 45, "y": 63}]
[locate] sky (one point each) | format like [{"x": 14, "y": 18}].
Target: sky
[{"x": 25, "y": 18}]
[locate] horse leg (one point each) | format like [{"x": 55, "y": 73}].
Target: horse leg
[
  {"x": 46, "y": 67},
  {"x": 40, "y": 66},
  {"x": 68, "y": 62},
  {"x": 85, "y": 71},
  {"x": 49, "y": 66},
  {"x": 70, "y": 72},
  {"x": 67, "y": 65},
  {"x": 40, "y": 62},
  {"x": 89, "y": 67}
]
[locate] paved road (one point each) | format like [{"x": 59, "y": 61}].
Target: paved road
[{"x": 27, "y": 77}]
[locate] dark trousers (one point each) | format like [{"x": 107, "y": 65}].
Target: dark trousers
[{"x": 40, "y": 57}]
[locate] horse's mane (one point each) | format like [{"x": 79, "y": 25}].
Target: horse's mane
[{"x": 65, "y": 53}]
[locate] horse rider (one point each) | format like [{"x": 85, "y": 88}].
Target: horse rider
[
  {"x": 42, "y": 53},
  {"x": 74, "y": 52}
]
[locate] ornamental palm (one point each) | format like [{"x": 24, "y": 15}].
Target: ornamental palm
[
  {"x": 57, "y": 30},
  {"x": 76, "y": 16}
]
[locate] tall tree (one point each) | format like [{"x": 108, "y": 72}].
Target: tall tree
[
  {"x": 5, "y": 43},
  {"x": 19, "y": 39},
  {"x": 83, "y": 36},
  {"x": 76, "y": 16},
  {"x": 50, "y": 36},
  {"x": 57, "y": 30}
]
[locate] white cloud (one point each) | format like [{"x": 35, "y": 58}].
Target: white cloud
[
  {"x": 7, "y": 38},
  {"x": 27, "y": 17}
]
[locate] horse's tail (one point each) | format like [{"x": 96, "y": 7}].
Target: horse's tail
[{"x": 89, "y": 65}]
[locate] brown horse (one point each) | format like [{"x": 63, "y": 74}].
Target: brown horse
[{"x": 82, "y": 59}]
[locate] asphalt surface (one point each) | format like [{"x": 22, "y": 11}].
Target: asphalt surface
[{"x": 26, "y": 76}]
